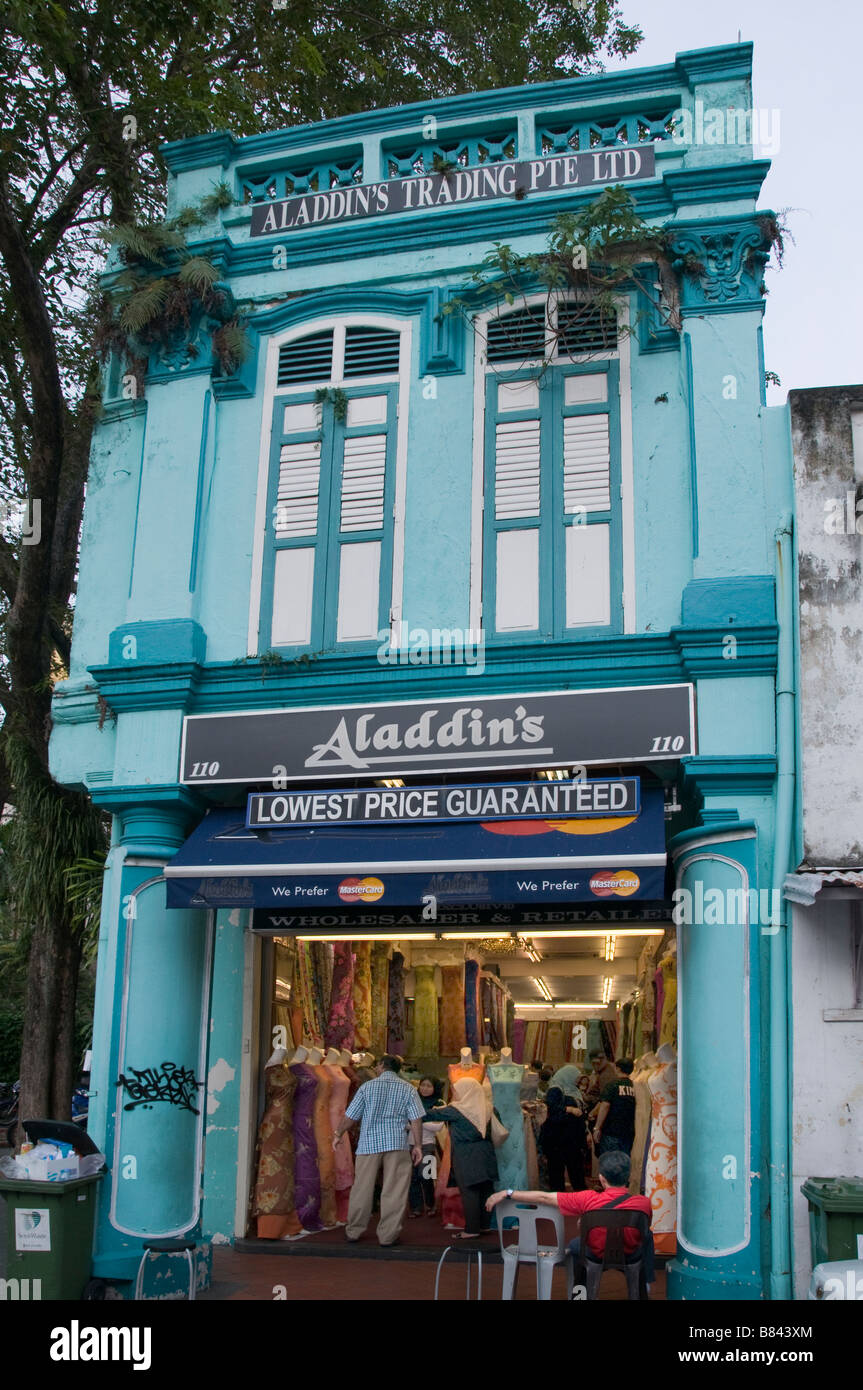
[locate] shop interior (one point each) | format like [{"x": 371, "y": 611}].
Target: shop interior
[{"x": 506, "y": 1005}]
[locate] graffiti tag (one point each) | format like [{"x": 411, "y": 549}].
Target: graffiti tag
[{"x": 170, "y": 1083}]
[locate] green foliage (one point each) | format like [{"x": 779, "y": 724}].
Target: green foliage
[
  {"x": 335, "y": 397},
  {"x": 198, "y": 273}
]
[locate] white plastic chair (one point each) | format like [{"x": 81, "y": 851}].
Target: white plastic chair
[{"x": 526, "y": 1250}]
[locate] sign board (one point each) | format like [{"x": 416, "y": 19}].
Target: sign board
[
  {"x": 500, "y": 918},
  {"x": 419, "y": 192},
  {"x": 486, "y": 802},
  {"x": 32, "y": 1228},
  {"x": 630, "y": 724}
]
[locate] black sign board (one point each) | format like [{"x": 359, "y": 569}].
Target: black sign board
[
  {"x": 630, "y": 724},
  {"x": 489, "y": 801},
  {"x": 527, "y": 920},
  {"x": 622, "y": 164}
]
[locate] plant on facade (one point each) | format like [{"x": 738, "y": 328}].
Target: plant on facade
[
  {"x": 335, "y": 397},
  {"x": 90, "y": 94}
]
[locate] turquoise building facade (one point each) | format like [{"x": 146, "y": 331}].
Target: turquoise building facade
[{"x": 611, "y": 513}]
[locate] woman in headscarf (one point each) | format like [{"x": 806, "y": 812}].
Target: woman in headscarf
[
  {"x": 566, "y": 1078},
  {"x": 472, "y": 1121},
  {"x": 421, "y": 1195},
  {"x": 564, "y": 1141}
]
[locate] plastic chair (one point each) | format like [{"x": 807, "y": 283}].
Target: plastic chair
[
  {"x": 464, "y": 1250},
  {"x": 167, "y": 1247},
  {"x": 614, "y": 1223},
  {"x": 526, "y": 1250}
]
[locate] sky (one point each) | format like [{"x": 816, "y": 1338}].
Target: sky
[{"x": 808, "y": 67}]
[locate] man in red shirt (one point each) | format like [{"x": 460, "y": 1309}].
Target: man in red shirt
[{"x": 614, "y": 1177}]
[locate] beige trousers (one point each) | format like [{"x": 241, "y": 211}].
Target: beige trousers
[{"x": 397, "y": 1167}]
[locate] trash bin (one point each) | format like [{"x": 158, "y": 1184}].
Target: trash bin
[
  {"x": 835, "y": 1218},
  {"x": 49, "y": 1227}
]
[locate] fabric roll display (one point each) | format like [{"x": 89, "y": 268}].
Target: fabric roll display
[
  {"x": 472, "y": 1017},
  {"x": 380, "y": 996},
  {"x": 344, "y": 1163},
  {"x": 313, "y": 1024},
  {"x": 396, "y": 1005},
  {"x": 519, "y": 1029},
  {"x": 452, "y": 1022},
  {"x": 340, "y": 1024},
  {"x": 425, "y": 1034},
  {"x": 322, "y": 973},
  {"x": 362, "y": 995}
]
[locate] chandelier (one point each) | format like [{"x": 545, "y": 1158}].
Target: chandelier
[{"x": 507, "y": 945}]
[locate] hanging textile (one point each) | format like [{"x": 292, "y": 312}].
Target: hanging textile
[
  {"x": 595, "y": 1039},
  {"x": 273, "y": 1206},
  {"x": 362, "y": 995},
  {"x": 323, "y": 1131},
  {"x": 485, "y": 1007},
  {"x": 659, "y": 990},
  {"x": 509, "y": 1021},
  {"x": 396, "y": 1005},
  {"x": 344, "y": 1162},
  {"x": 322, "y": 966},
  {"x": 554, "y": 1055},
  {"x": 660, "y": 1180},
  {"x": 472, "y": 1017},
  {"x": 313, "y": 1024},
  {"x": 452, "y": 1029},
  {"x": 380, "y": 977},
  {"x": 519, "y": 1028},
  {"x": 425, "y": 1034},
  {"x": 340, "y": 1024},
  {"x": 668, "y": 1032},
  {"x": 307, "y": 1177}
]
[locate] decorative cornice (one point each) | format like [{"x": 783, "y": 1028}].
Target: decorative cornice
[
  {"x": 722, "y": 776},
  {"x": 642, "y": 658},
  {"x": 726, "y": 62}
]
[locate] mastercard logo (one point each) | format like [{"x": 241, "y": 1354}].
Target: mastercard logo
[
  {"x": 360, "y": 890},
  {"x": 622, "y": 882}
]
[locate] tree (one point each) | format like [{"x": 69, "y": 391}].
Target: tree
[{"x": 90, "y": 92}]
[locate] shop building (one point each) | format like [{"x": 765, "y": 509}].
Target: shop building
[
  {"x": 496, "y": 554},
  {"x": 825, "y": 891}
]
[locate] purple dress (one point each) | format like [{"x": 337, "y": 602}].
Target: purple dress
[{"x": 307, "y": 1177}]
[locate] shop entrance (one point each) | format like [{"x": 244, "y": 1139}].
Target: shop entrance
[{"x": 520, "y": 1009}]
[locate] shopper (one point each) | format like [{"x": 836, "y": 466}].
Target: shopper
[
  {"x": 603, "y": 1072},
  {"x": 614, "y": 1178},
  {"x": 389, "y": 1112},
  {"x": 473, "y": 1126},
  {"x": 421, "y": 1196},
  {"x": 563, "y": 1137},
  {"x": 615, "y": 1120}
]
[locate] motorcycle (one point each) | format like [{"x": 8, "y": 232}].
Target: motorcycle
[{"x": 9, "y": 1109}]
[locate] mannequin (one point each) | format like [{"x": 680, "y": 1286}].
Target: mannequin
[
  {"x": 300, "y": 1055},
  {"x": 337, "y": 1099},
  {"x": 643, "y": 1067},
  {"x": 307, "y": 1177},
  {"x": 274, "y": 1196},
  {"x": 315, "y": 1057},
  {"x": 323, "y": 1132},
  {"x": 344, "y": 1058},
  {"x": 660, "y": 1179},
  {"x": 505, "y": 1077},
  {"x": 333, "y": 1058}
]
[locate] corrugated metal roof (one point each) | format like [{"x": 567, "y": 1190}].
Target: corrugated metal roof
[{"x": 804, "y": 888}]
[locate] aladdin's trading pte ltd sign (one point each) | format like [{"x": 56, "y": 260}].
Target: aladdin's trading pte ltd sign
[
  {"x": 620, "y": 725},
  {"x": 625, "y": 164}
]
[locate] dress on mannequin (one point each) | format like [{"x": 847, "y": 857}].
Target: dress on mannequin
[
  {"x": 307, "y": 1189},
  {"x": 642, "y": 1118},
  {"x": 668, "y": 1032},
  {"x": 274, "y": 1207},
  {"x": 323, "y": 1130},
  {"x": 506, "y": 1079},
  {"x": 344, "y": 1163},
  {"x": 660, "y": 1182}
]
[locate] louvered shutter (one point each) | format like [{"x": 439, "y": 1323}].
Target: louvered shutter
[
  {"x": 586, "y": 463},
  {"x": 298, "y": 490},
  {"x": 365, "y": 461},
  {"x": 517, "y": 469}
]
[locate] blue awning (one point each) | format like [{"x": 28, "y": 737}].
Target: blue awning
[{"x": 224, "y": 864}]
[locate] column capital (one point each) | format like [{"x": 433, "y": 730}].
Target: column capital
[{"x": 155, "y": 819}]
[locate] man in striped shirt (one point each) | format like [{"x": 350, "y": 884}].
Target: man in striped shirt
[{"x": 390, "y": 1115}]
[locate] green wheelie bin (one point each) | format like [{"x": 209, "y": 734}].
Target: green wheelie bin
[
  {"x": 835, "y": 1218},
  {"x": 49, "y": 1229}
]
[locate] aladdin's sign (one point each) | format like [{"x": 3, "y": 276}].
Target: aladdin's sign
[
  {"x": 412, "y": 737},
  {"x": 624, "y": 164}
]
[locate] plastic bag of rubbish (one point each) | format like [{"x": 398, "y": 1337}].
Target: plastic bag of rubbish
[
  {"x": 89, "y": 1164},
  {"x": 11, "y": 1168}
]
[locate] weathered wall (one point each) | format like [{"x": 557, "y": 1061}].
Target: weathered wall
[{"x": 828, "y": 465}]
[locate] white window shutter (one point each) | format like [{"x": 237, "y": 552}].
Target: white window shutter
[
  {"x": 586, "y": 464},
  {"x": 516, "y": 477},
  {"x": 299, "y": 486},
  {"x": 363, "y": 478}
]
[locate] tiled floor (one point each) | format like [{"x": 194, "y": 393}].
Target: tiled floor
[{"x": 298, "y": 1273}]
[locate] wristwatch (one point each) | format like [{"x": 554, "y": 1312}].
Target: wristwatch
[{"x": 509, "y": 1191}]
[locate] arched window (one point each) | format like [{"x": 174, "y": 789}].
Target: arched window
[{"x": 328, "y": 566}]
